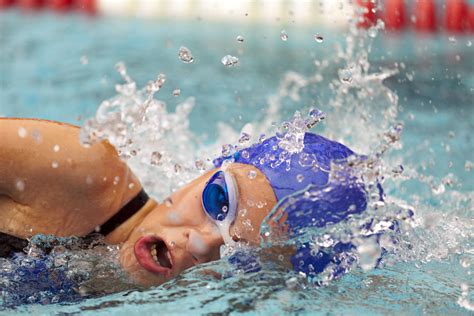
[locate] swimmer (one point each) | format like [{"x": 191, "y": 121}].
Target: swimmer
[{"x": 51, "y": 184}]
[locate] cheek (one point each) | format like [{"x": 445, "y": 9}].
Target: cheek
[
  {"x": 197, "y": 244},
  {"x": 175, "y": 218}
]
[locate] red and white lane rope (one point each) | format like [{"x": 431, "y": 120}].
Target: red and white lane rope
[{"x": 454, "y": 16}]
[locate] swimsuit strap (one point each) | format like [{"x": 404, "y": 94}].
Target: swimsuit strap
[
  {"x": 10, "y": 244},
  {"x": 125, "y": 213}
]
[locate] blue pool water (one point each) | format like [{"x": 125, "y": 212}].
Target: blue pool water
[{"x": 42, "y": 76}]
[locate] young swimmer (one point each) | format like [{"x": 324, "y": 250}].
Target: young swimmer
[{"x": 51, "y": 184}]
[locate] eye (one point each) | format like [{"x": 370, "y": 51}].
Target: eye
[{"x": 215, "y": 197}]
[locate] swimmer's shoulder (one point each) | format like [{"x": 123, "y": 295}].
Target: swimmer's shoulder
[{"x": 48, "y": 174}]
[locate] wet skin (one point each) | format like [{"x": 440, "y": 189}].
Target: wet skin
[
  {"x": 183, "y": 229},
  {"x": 81, "y": 192}
]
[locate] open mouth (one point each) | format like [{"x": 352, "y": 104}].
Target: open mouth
[{"x": 153, "y": 255}]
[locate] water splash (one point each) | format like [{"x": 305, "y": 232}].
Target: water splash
[
  {"x": 157, "y": 144},
  {"x": 56, "y": 269},
  {"x": 318, "y": 38},
  {"x": 363, "y": 113},
  {"x": 185, "y": 55},
  {"x": 229, "y": 61}
]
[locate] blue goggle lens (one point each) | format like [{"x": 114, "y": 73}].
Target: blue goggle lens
[{"x": 215, "y": 197}]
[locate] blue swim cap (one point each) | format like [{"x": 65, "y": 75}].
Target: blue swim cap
[
  {"x": 289, "y": 173},
  {"x": 301, "y": 184}
]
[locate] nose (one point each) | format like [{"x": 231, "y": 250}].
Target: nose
[{"x": 203, "y": 245}]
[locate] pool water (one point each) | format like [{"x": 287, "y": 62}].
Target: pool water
[{"x": 62, "y": 67}]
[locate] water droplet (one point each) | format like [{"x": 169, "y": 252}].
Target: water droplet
[
  {"x": 281, "y": 257},
  {"x": 225, "y": 209},
  {"x": 437, "y": 190},
  {"x": 178, "y": 168},
  {"x": 267, "y": 234},
  {"x": 131, "y": 185},
  {"x": 20, "y": 185},
  {"x": 176, "y": 92},
  {"x": 240, "y": 39},
  {"x": 468, "y": 165},
  {"x": 38, "y": 138},
  {"x": 22, "y": 132},
  {"x": 398, "y": 170},
  {"x": 127, "y": 89},
  {"x": 199, "y": 164},
  {"x": 244, "y": 137},
  {"x": 372, "y": 32},
  {"x": 227, "y": 150},
  {"x": 84, "y": 60},
  {"x": 465, "y": 262},
  {"x": 89, "y": 180},
  {"x": 315, "y": 116},
  {"x": 243, "y": 212},
  {"x": 121, "y": 69},
  {"x": 185, "y": 55},
  {"x": 283, "y": 36},
  {"x": 345, "y": 76},
  {"x": 245, "y": 154},
  {"x": 172, "y": 244},
  {"x": 116, "y": 180},
  {"x": 220, "y": 217},
  {"x": 168, "y": 202},
  {"x": 318, "y": 38},
  {"x": 155, "y": 158},
  {"x": 292, "y": 282},
  {"x": 252, "y": 174},
  {"x": 299, "y": 178},
  {"x": 469, "y": 43},
  {"x": 154, "y": 86},
  {"x": 54, "y": 164},
  {"x": 378, "y": 205},
  {"x": 452, "y": 39},
  {"x": 56, "y": 148},
  {"x": 260, "y": 204},
  {"x": 229, "y": 61}
]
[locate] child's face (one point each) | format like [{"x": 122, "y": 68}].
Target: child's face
[{"x": 184, "y": 236}]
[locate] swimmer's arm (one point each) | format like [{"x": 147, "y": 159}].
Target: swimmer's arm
[{"x": 50, "y": 183}]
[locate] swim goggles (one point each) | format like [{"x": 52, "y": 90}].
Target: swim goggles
[{"x": 219, "y": 201}]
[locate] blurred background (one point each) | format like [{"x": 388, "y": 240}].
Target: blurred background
[{"x": 58, "y": 57}]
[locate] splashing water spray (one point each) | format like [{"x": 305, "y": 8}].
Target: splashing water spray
[
  {"x": 162, "y": 151},
  {"x": 156, "y": 144}
]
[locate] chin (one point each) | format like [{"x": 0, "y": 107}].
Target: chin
[{"x": 137, "y": 272}]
